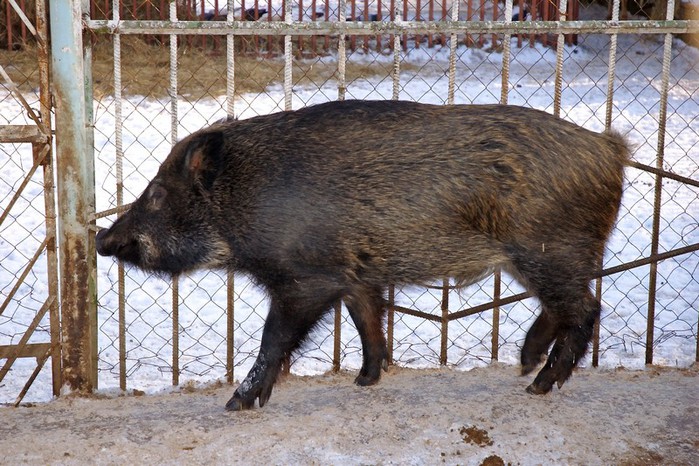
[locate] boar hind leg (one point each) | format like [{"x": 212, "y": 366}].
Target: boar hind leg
[
  {"x": 573, "y": 337},
  {"x": 538, "y": 340},
  {"x": 561, "y": 282},
  {"x": 366, "y": 307},
  {"x": 289, "y": 320}
]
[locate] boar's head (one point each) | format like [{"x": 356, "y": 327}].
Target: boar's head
[{"x": 169, "y": 228}]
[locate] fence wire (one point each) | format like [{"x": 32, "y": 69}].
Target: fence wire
[{"x": 171, "y": 81}]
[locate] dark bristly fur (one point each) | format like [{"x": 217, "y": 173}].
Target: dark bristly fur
[{"x": 340, "y": 200}]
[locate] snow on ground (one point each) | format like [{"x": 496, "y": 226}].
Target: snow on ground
[
  {"x": 413, "y": 417},
  {"x": 202, "y": 326}
]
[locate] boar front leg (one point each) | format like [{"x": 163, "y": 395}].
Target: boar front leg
[{"x": 293, "y": 312}]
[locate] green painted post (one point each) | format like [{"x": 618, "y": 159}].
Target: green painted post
[{"x": 76, "y": 194}]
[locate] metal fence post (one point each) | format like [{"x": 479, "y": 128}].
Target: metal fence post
[{"x": 76, "y": 195}]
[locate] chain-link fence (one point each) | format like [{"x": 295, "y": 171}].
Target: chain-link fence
[
  {"x": 28, "y": 273},
  {"x": 156, "y": 81}
]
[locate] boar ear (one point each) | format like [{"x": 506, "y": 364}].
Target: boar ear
[{"x": 203, "y": 158}]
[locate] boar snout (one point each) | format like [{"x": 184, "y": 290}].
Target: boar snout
[{"x": 110, "y": 243}]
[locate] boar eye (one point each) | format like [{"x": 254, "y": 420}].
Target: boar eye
[{"x": 156, "y": 194}]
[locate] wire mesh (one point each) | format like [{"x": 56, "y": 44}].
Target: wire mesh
[{"x": 432, "y": 67}]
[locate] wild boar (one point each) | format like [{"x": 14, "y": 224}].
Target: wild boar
[{"x": 339, "y": 200}]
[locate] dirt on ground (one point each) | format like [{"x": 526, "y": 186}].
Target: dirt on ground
[{"x": 483, "y": 416}]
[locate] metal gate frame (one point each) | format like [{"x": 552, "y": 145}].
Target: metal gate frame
[
  {"x": 75, "y": 149},
  {"x": 40, "y": 137}
]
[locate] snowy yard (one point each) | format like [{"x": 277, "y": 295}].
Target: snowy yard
[{"x": 320, "y": 401}]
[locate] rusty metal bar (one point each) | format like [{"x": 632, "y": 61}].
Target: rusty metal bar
[
  {"x": 230, "y": 327},
  {"x": 18, "y": 192},
  {"x": 45, "y": 106},
  {"x": 230, "y": 111},
  {"x": 76, "y": 193},
  {"x": 519, "y": 297},
  {"x": 390, "y": 27},
  {"x": 40, "y": 361},
  {"x": 337, "y": 334},
  {"x": 30, "y": 350},
  {"x": 175, "y": 330},
  {"x": 19, "y": 348},
  {"x": 20, "y": 98},
  {"x": 18, "y": 134},
  {"x": 22, "y": 16},
  {"x": 341, "y": 55},
  {"x": 495, "y": 337},
  {"x": 416, "y": 313},
  {"x": 444, "y": 334},
  {"x": 658, "y": 191},
  {"x": 596, "y": 326},
  {"x": 288, "y": 69},
  {"x": 23, "y": 275},
  {"x": 663, "y": 173},
  {"x": 390, "y": 321},
  {"x": 453, "y": 45},
  {"x": 172, "y": 90},
  {"x": 506, "y": 52},
  {"x": 558, "y": 81}
]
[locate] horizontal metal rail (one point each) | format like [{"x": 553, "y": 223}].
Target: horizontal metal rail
[
  {"x": 521, "y": 296},
  {"x": 388, "y": 27},
  {"x": 664, "y": 173}
]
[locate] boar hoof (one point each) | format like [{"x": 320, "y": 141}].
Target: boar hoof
[
  {"x": 366, "y": 380},
  {"x": 239, "y": 404},
  {"x": 537, "y": 389}
]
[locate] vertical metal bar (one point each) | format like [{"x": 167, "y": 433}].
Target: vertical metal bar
[
  {"x": 506, "y": 46},
  {"x": 443, "y": 17},
  {"x": 175, "y": 330},
  {"x": 379, "y": 17},
  {"x": 495, "y": 336},
  {"x": 453, "y": 45},
  {"x": 49, "y": 194},
  {"x": 563, "y": 5},
  {"x": 534, "y": 13},
  {"x": 314, "y": 38},
  {"x": 287, "y": 59},
  {"x": 390, "y": 319},
  {"x": 270, "y": 17},
  {"x": 520, "y": 3},
  {"x": 341, "y": 55},
  {"x": 40, "y": 361},
  {"x": 494, "y": 38},
  {"x": 611, "y": 72},
  {"x": 405, "y": 18},
  {"x": 230, "y": 111},
  {"x": 230, "y": 328},
  {"x": 444, "y": 340},
  {"x": 396, "y": 64},
  {"x": 469, "y": 13},
  {"x": 353, "y": 17},
  {"x": 481, "y": 16},
  {"x": 8, "y": 21},
  {"x": 337, "y": 333},
  {"x": 596, "y": 327},
  {"x": 173, "y": 140},
  {"x": 418, "y": 17},
  {"x": 657, "y": 204},
  {"x": 300, "y": 12},
  {"x": 76, "y": 192},
  {"x": 430, "y": 17},
  {"x": 326, "y": 17},
  {"x": 611, "y": 69},
  {"x": 118, "y": 144}
]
